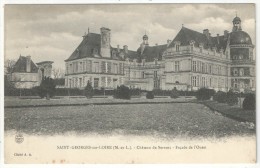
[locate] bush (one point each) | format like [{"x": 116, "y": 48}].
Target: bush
[
  {"x": 46, "y": 88},
  {"x": 122, "y": 92},
  {"x": 89, "y": 92},
  {"x": 174, "y": 93},
  {"x": 249, "y": 102},
  {"x": 220, "y": 97},
  {"x": 231, "y": 98},
  {"x": 204, "y": 94},
  {"x": 150, "y": 95}
]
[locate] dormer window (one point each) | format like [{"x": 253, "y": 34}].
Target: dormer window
[
  {"x": 177, "y": 46},
  {"x": 192, "y": 42},
  {"x": 95, "y": 51}
]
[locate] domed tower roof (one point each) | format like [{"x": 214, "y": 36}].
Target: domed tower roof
[
  {"x": 240, "y": 37},
  {"x": 145, "y": 37},
  {"x": 236, "y": 19}
]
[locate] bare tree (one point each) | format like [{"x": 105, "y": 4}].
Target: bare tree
[
  {"x": 58, "y": 73},
  {"x": 9, "y": 66}
]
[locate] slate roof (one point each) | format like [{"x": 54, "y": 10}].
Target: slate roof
[
  {"x": 85, "y": 49},
  {"x": 185, "y": 35},
  {"x": 20, "y": 65},
  {"x": 91, "y": 42},
  {"x": 240, "y": 37},
  {"x": 150, "y": 53},
  {"x": 129, "y": 54}
]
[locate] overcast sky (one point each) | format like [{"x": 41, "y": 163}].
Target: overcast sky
[{"x": 52, "y": 32}]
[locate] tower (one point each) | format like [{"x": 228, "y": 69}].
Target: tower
[
  {"x": 237, "y": 24},
  {"x": 145, "y": 40},
  {"x": 105, "y": 42}
]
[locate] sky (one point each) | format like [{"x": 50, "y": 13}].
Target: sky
[{"x": 52, "y": 32}]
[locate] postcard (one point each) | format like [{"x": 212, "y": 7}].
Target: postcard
[{"x": 129, "y": 83}]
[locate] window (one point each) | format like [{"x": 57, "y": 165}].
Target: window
[
  {"x": 96, "y": 81},
  {"x": 177, "y": 66},
  {"x": 84, "y": 66},
  {"x": 80, "y": 82},
  {"x": 210, "y": 82},
  {"x": 155, "y": 74},
  {"x": 193, "y": 81},
  {"x": 96, "y": 67},
  {"x": 203, "y": 82},
  {"x": 143, "y": 75},
  {"x": 194, "y": 66},
  {"x": 203, "y": 67},
  {"x": 115, "y": 68},
  {"x": 177, "y": 47},
  {"x": 235, "y": 72},
  {"x": 210, "y": 69}
]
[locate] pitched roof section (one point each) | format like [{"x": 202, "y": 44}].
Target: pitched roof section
[
  {"x": 185, "y": 35},
  {"x": 122, "y": 54},
  {"x": 91, "y": 46},
  {"x": 150, "y": 53},
  {"x": 20, "y": 65},
  {"x": 90, "y": 42}
]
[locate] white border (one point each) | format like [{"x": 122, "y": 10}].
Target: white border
[{"x": 3, "y": 2}]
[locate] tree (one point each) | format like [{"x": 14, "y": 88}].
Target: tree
[
  {"x": 174, "y": 93},
  {"x": 57, "y": 73},
  {"x": 89, "y": 92},
  {"x": 46, "y": 88},
  {"x": 9, "y": 66}
]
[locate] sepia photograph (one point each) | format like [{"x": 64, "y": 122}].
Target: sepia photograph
[{"x": 129, "y": 83}]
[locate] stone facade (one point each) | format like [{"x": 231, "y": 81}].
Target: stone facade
[
  {"x": 26, "y": 74},
  {"x": 190, "y": 61}
]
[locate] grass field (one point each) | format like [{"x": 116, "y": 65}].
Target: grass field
[{"x": 164, "y": 120}]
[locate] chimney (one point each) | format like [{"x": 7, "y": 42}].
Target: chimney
[
  {"x": 118, "y": 49},
  {"x": 105, "y": 42},
  {"x": 225, "y": 34},
  {"x": 168, "y": 42},
  {"x": 156, "y": 44},
  {"x": 28, "y": 63},
  {"x": 206, "y": 32},
  {"x": 126, "y": 48},
  {"x": 218, "y": 38}
]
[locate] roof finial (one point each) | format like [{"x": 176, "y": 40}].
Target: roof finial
[
  {"x": 88, "y": 29},
  {"x": 182, "y": 25},
  {"x": 145, "y": 32},
  {"x": 236, "y": 13}
]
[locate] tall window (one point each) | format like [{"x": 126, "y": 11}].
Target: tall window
[
  {"x": 155, "y": 74},
  {"x": 96, "y": 81},
  {"x": 194, "y": 66},
  {"x": 193, "y": 81},
  {"x": 80, "y": 82},
  {"x": 143, "y": 75},
  {"x": 177, "y": 46},
  {"x": 203, "y": 67},
  {"x": 203, "y": 82},
  {"x": 210, "y": 69},
  {"x": 80, "y": 67},
  {"x": 177, "y": 66},
  {"x": 96, "y": 67}
]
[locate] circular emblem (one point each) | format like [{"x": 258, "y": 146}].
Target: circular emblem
[{"x": 19, "y": 138}]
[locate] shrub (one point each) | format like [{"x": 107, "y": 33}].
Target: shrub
[
  {"x": 174, "y": 93},
  {"x": 122, "y": 92},
  {"x": 231, "y": 98},
  {"x": 249, "y": 102},
  {"x": 150, "y": 95},
  {"x": 220, "y": 97},
  {"x": 204, "y": 94},
  {"x": 89, "y": 92},
  {"x": 46, "y": 88}
]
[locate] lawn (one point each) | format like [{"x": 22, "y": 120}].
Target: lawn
[{"x": 167, "y": 120}]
